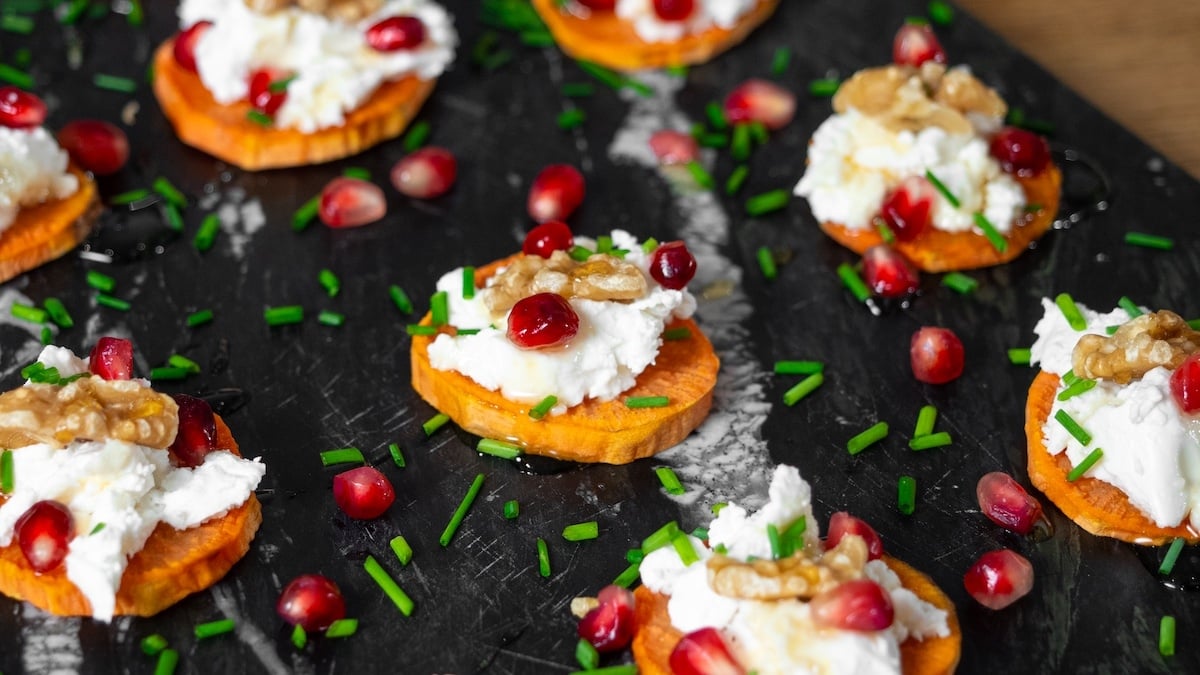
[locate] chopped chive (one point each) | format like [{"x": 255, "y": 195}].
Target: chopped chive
[
  {"x": 306, "y": 213},
  {"x": 614, "y": 79},
  {"x": 926, "y": 419},
  {"x": 739, "y": 145},
  {"x": 865, "y": 439},
  {"x": 906, "y": 495},
  {"x": 280, "y": 86},
  {"x": 536, "y": 38},
  {"x": 766, "y": 263},
  {"x": 434, "y": 423},
  {"x": 543, "y": 555},
  {"x": 626, "y": 578},
  {"x": 114, "y": 83},
  {"x": 701, "y": 175},
  {"x": 1166, "y": 636},
  {"x": 1064, "y": 418},
  {"x": 439, "y": 308},
  {"x": 400, "y": 299},
  {"x": 260, "y": 118},
  {"x": 700, "y": 533},
  {"x": 1069, "y": 378},
  {"x": 680, "y": 333},
  {"x": 1087, "y": 463},
  {"x": 803, "y": 388},
  {"x": 169, "y": 192},
  {"x": 793, "y": 536},
  {"x": 1076, "y": 389},
  {"x": 153, "y": 644},
  {"x": 571, "y": 118},
  {"x": 604, "y": 244},
  {"x": 1172, "y": 556},
  {"x": 342, "y": 456},
  {"x": 167, "y": 373},
  {"x": 716, "y": 116},
  {"x": 27, "y": 313},
  {"x": 328, "y": 318},
  {"x": 6, "y": 472},
  {"x": 97, "y": 529},
  {"x": 174, "y": 217},
  {"x": 181, "y": 361},
  {"x": 649, "y": 245},
  {"x": 1131, "y": 308},
  {"x": 213, "y": 629},
  {"x": 110, "y": 302},
  {"x": 993, "y": 235},
  {"x": 938, "y": 440},
  {"x": 1070, "y": 311},
  {"x": 586, "y": 655},
  {"x": 397, "y": 455},
  {"x": 885, "y": 232},
  {"x": 329, "y": 281},
  {"x": 774, "y": 540},
  {"x": 577, "y": 89},
  {"x": 581, "y": 531},
  {"x": 299, "y": 637},
  {"x": 767, "y": 202},
  {"x": 1019, "y": 356},
  {"x": 282, "y": 316},
  {"x": 736, "y": 179},
  {"x": 15, "y": 76},
  {"x": 129, "y": 197},
  {"x": 100, "y": 281},
  {"x": 466, "y": 331},
  {"x": 712, "y": 140},
  {"x": 1149, "y": 241},
  {"x": 461, "y": 511},
  {"x": 512, "y": 509},
  {"x": 940, "y": 12},
  {"x": 780, "y": 61},
  {"x": 670, "y": 482},
  {"x": 199, "y": 318},
  {"x": 759, "y": 132},
  {"x": 490, "y": 446},
  {"x": 634, "y": 555},
  {"x": 799, "y": 367},
  {"x": 47, "y": 335},
  {"x": 853, "y": 282},
  {"x": 70, "y": 12},
  {"x": 941, "y": 187},
  {"x": 400, "y": 547},
  {"x": 959, "y": 282},
  {"x": 468, "y": 282},
  {"x": 14, "y": 23},
  {"x": 824, "y": 87},
  {"x": 1110, "y": 330},
  {"x": 660, "y": 537},
  {"x": 207, "y": 233},
  {"x": 580, "y": 253},
  {"x": 168, "y": 659},
  {"x": 542, "y": 409},
  {"x": 683, "y": 546},
  {"x": 342, "y": 628},
  {"x": 416, "y": 136},
  {"x": 647, "y": 402},
  {"x": 388, "y": 585}
]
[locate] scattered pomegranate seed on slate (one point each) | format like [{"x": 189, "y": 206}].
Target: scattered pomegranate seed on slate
[
  {"x": 760, "y": 101},
  {"x": 674, "y": 147},
  {"x": 312, "y": 602},
  {"x": 999, "y": 578},
  {"x": 1007, "y": 504},
  {"x": 556, "y": 192},
  {"x": 351, "y": 202},
  {"x": 95, "y": 145},
  {"x": 936, "y": 355},
  {"x": 363, "y": 493},
  {"x": 426, "y": 173}
]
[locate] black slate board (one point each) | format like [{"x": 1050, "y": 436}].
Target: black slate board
[{"x": 480, "y": 603}]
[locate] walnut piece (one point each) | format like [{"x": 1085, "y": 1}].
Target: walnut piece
[
  {"x": 338, "y": 10},
  {"x": 797, "y": 576},
  {"x": 583, "y": 604},
  {"x": 88, "y": 408},
  {"x": 906, "y": 98},
  {"x": 1160, "y": 338},
  {"x": 601, "y": 277}
]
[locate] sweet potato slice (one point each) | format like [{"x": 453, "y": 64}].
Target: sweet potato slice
[
  {"x": 593, "y": 431},
  {"x": 609, "y": 41},
  {"x": 1096, "y": 506},
  {"x": 44, "y": 232},
  {"x": 172, "y": 565},
  {"x": 656, "y": 637},
  {"x": 225, "y": 132}
]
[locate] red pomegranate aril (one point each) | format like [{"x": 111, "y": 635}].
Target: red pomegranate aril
[
  {"x": 1185, "y": 385},
  {"x": 312, "y": 602},
  {"x": 112, "y": 359},
  {"x": 609, "y": 626},
  {"x": 674, "y": 147},
  {"x": 842, "y": 524},
  {"x": 672, "y": 265},
  {"x": 915, "y": 44},
  {"x": 888, "y": 273},
  {"x": 425, "y": 174},
  {"x": 185, "y": 44},
  {"x": 1021, "y": 152},
  {"x": 674, "y": 10},
  {"x": 703, "y": 652},
  {"x": 760, "y": 101},
  {"x": 43, "y": 534},
  {"x": 556, "y": 192},
  {"x": 351, "y": 202},
  {"x": 599, "y": 5},
  {"x": 908, "y": 210},
  {"x": 999, "y": 578},
  {"x": 936, "y": 355},
  {"x": 860, "y": 605},
  {"x": 363, "y": 493},
  {"x": 547, "y": 238},
  {"x": 541, "y": 321},
  {"x": 1007, "y": 504},
  {"x": 396, "y": 33},
  {"x": 262, "y": 97},
  {"x": 20, "y": 109},
  {"x": 95, "y": 145},
  {"x": 197, "y": 435}
]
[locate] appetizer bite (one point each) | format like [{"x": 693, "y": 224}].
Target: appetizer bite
[
  {"x": 1112, "y": 420},
  {"x": 116, "y": 499},
  {"x": 636, "y": 34},
  {"x": 277, "y": 83},
  {"x": 917, "y": 152},
  {"x": 576, "y": 349}
]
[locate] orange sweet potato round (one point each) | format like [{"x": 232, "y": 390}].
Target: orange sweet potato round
[{"x": 44, "y": 232}]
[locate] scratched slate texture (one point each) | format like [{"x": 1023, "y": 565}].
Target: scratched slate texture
[{"x": 480, "y": 602}]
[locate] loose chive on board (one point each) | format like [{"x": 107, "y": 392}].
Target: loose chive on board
[
  {"x": 461, "y": 511},
  {"x": 799, "y": 367},
  {"x": 581, "y": 531},
  {"x": 938, "y": 440},
  {"x": 766, "y": 263},
  {"x": 543, "y": 558},
  {"x": 906, "y": 495},
  {"x": 670, "y": 482},
  {"x": 803, "y": 388},
  {"x": 213, "y": 629},
  {"x": 512, "y": 509},
  {"x": 434, "y": 423},
  {"x": 342, "y": 456},
  {"x": 501, "y": 449},
  {"x": 388, "y": 585},
  {"x": 1172, "y": 556},
  {"x": 1019, "y": 356},
  {"x": 400, "y": 547},
  {"x": 867, "y": 438},
  {"x": 397, "y": 455}
]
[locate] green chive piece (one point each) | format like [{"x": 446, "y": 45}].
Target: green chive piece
[
  {"x": 767, "y": 202},
  {"x": 683, "y": 546},
  {"x": 112, "y": 303},
  {"x": 1166, "y": 636},
  {"x": 571, "y": 118},
  {"x": 626, "y": 578},
  {"x": 260, "y": 118},
  {"x": 940, "y": 12},
  {"x": 1076, "y": 389},
  {"x": 1019, "y": 356},
  {"x": 803, "y": 388},
  {"x": 680, "y": 333},
  {"x": 1149, "y": 241},
  {"x": 1070, "y": 311},
  {"x": 168, "y": 659},
  {"x": 712, "y": 140},
  {"x": 416, "y": 136},
  {"x": 512, "y": 509},
  {"x": 467, "y": 331},
  {"x": 213, "y": 629},
  {"x": 15, "y": 76},
  {"x": 701, "y": 175},
  {"x": 101, "y": 281},
  {"x": 461, "y": 511},
  {"x": 434, "y": 423},
  {"x": 941, "y": 187},
  {"x": 307, "y": 212},
  {"x": 760, "y": 133},
  {"x": 357, "y": 172},
  {"x": 580, "y": 253},
  {"x": 58, "y": 313},
  {"x": 329, "y": 281},
  {"x": 624, "y": 669},
  {"x": 207, "y": 233},
  {"x": 993, "y": 235},
  {"x": 1112, "y": 329},
  {"x": 766, "y": 263},
  {"x": 114, "y": 83},
  {"x": 1131, "y": 308},
  {"x": 543, "y": 554},
  {"x": 27, "y": 313},
  {"x": 906, "y": 495},
  {"x": 604, "y": 244},
  {"x": 342, "y": 456},
  {"x": 736, "y": 179},
  {"x": 824, "y": 87},
  {"x": 468, "y": 283},
  {"x": 660, "y": 537},
  {"x": 852, "y": 281},
  {"x": 181, "y": 361},
  {"x": 400, "y": 547},
  {"x": 716, "y": 116},
  {"x": 793, "y": 536},
  {"x": 299, "y": 637},
  {"x": 700, "y": 533},
  {"x": 328, "y": 318},
  {"x": 634, "y": 555},
  {"x": 14, "y": 23},
  {"x": 586, "y": 655},
  {"x": 938, "y": 440},
  {"x": 6, "y": 472},
  {"x": 280, "y": 86},
  {"x": 1172, "y": 556},
  {"x": 649, "y": 245},
  {"x": 397, "y": 455},
  {"x": 47, "y": 335},
  {"x": 400, "y": 299},
  {"x": 153, "y": 644},
  {"x": 439, "y": 308},
  {"x": 959, "y": 283},
  {"x": 670, "y": 482},
  {"x": 1087, "y": 463},
  {"x": 885, "y": 232},
  {"x": 1069, "y": 378},
  {"x": 199, "y": 318},
  {"x": 776, "y": 543},
  {"x": 614, "y": 79},
  {"x": 867, "y": 438},
  {"x": 129, "y": 197},
  {"x": 581, "y": 531},
  {"x": 647, "y": 402},
  {"x": 1194, "y": 324},
  {"x": 169, "y": 192},
  {"x": 799, "y": 367},
  {"x": 174, "y": 217},
  {"x": 342, "y": 628},
  {"x": 542, "y": 409},
  {"x": 490, "y": 446},
  {"x": 166, "y": 373},
  {"x": 577, "y": 89},
  {"x": 97, "y": 529},
  {"x": 740, "y": 145},
  {"x": 1064, "y": 418},
  {"x": 926, "y": 419},
  {"x": 388, "y": 585},
  {"x": 285, "y": 315},
  {"x": 780, "y": 61}
]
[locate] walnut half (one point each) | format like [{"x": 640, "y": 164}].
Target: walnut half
[
  {"x": 89, "y": 408},
  {"x": 601, "y": 277},
  {"x": 797, "y": 576},
  {"x": 338, "y": 10},
  {"x": 1160, "y": 338}
]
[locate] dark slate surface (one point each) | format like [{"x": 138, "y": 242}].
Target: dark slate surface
[{"x": 480, "y": 602}]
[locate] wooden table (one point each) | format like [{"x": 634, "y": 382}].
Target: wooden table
[{"x": 1139, "y": 62}]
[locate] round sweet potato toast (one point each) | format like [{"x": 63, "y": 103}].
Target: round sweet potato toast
[
  {"x": 225, "y": 132},
  {"x": 610, "y": 41},
  {"x": 172, "y": 565},
  {"x": 593, "y": 431},
  {"x": 656, "y": 637},
  {"x": 1096, "y": 506},
  {"x": 45, "y": 232}
]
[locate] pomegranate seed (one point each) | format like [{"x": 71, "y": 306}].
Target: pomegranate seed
[
  {"x": 556, "y": 192},
  {"x": 599, "y": 5},
  {"x": 854, "y": 605},
  {"x": 261, "y": 96},
  {"x": 185, "y": 44},
  {"x": 915, "y": 44},
  {"x": 547, "y": 238},
  {"x": 674, "y": 10},
  {"x": 112, "y": 359},
  {"x": 1019, "y": 151},
  {"x": 351, "y": 202},
  {"x": 363, "y": 493},
  {"x": 888, "y": 273},
  {"x": 609, "y": 626},
  {"x": 936, "y": 355},
  {"x": 674, "y": 147},
  {"x": 1007, "y": 504},
  {"x": 542, "y": 320},
  {"x": 43, "y": 533},
  {"x": 703, "y": 652},
  {"x": 673, "y": 265},
  {"x": 760, "y": 101},
  {"x": 197, "y": 435},
  {"x": 20, "y": 109},
  {"x": 999, "y": 578},
  {"x": 396, "y": 33},
  {"x": 842, "y": 524},
  {"x": 312, "y": 602},
  {"x": 1185, "y": 385},
  {"x": 427, "y": 173},
  {"x": 97, "y": 146},
  {"x": 908, "y": 210}
]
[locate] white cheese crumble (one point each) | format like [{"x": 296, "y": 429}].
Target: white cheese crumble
[
  {"x": 707, "y": 14},
  {"x": 33, "y": 170}
]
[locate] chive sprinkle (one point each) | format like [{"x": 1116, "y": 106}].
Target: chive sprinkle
[
  {"x": 851, "y": 279},
  {"x": 181, "y": 361},
  {"x": 683, "y": 546},
  {"x": 260, "y": 118},
  {"x": 1069, "y": 378},
  {"x": 740, "y": 145},
  {"x": 342, "y": 456},
  {"x": 614, "y": 79},
  {"x": 1166, "y": 636},
  {"x": 678, "y": 333},
  {"x": 1076, "y": 389},
  {"x": 760, "y": 133},
  {"x": 712, "y": 140},
  {"x": 329, "y": 281},
  {"x": 1070, "y": 311},
  {"x": 623, "y": 669},
  {"x": 959, "y": 283},
  {"x": 1194, "y": 324},
  {"x": 660, "y": 537},
  {"x": 775, "y": 542},
  {"x": 153, "y": 644},
  {"x": 906, "y": 495},
  {"x": 207, "y": 233},
  {"x": 6, "y": 472},
  {"x": 799, "y": 367},
  {"x": 15, "y": 76},
  {"x": 434, "y": 423},
  {"x": 586, "y": 655},
  {"x": 13, "y": 23},
  {"x": 490, "y": 446},
  {"x": 512, "y": 509},
  {"x": 824, "y": 87},
  {"x": 1064, "y": 418},
  {"x": 1131, "y": 308},
  {"x": 167, "y": 660},
  {"x": 400, "y": 547},
  {"x": 101, "y": 281},
  {"x": 169, "y": 192},
  {"x": 885, "y": 232},
  {"x": 635, "y": 555},
  {"x": 1019, "y": 356},
  {"x": 701, "y": 175},
  {"x": 58, "y": 313},
  {"x": 647, "y": 402},
  {"x": 416, "y": 136},
  {"x": 128, "y": 197},
  {"x": 940, "y": 12},
  {"x": 306, "y": 213},
  {"x": 543, "y": 555},
  {"x": 941, "y": 187},
  {"x": 47, "y": 335},
  {"x": 213, "y": 629},
  {"x": 112, "y": 303},
  {"x": 400, "y": 299},
  {"x": 626, "y": 578},
  {"x": 571, "y": 118},
  {"x": 342, "y": 628},
  {"x": 780, "y": 61},
  {"x": 461, "y": 511},
  {"x": 299, "y": 637},
  {"x": 938, "y": 440},
  {"x": 581, "y": 531},
  {"x": 542, "y": 409},
  {"x": 328, "y": 318},
  {"x": 766, "y": 263},
  {"x": 397, "y": 455},
  {"x": 803, "y": 388},
  {"x": 670, "y": 482},
  {"x": 580, "y": 253},
  {"x": 167, "y": 373},
  {"x": 467, "y": 331},
  {"x": 114, "y": 83},
  {"x": 199, "y": 318},
  {"x": 97, "y": 529},
  {"x": 285, "y": 315},
  {"x": 716, "y": 116},
  {"x": 1149, "y": 241},
  {"x": 926, "y": 419},
  {"x": 27, "y": 313},
  {"x": 649, "y": 245},
  {"x": 767, "y": 202},
  {"x": 1087, "y": 463},
  {"x": 1172, "y": 556},
  {"x": 993, "y": 235},
  {"x": 280, "y": 86},
  {"x": 577, "y": 89},
  {"x": 869, "y": 437},
  {"x": 388, "y": 585},
  {"x": 439, "y": 308},
  {"x": 736, "y": 179}
]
